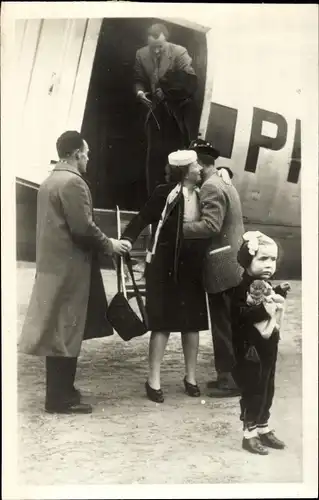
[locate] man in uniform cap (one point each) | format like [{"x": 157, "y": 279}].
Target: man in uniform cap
[{"x": 222, "y": 222}]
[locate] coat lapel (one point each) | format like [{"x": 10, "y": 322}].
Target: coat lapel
[
  {"x": 151, "y": 64},
  {"x": 68, "y": 168},
  {"x": 165, "y": 62},
  {"x": 172, "y": 205}
]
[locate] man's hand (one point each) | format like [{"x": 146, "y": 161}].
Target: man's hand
[
  {"x": 142, "y": 96},
  {"x": 128, "y": 244},
  {"x": 224, "y": 174},
  {"x": 121, "y": 247},
  {"x": 159, "y": 95}
]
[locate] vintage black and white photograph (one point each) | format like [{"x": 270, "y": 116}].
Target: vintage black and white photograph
[{"x": 162, "y": 177}]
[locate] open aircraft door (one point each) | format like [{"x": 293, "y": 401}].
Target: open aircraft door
[{"x": 54, "y": 63}]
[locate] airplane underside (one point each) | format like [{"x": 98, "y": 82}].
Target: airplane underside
[{"x": 289, "y": 237}]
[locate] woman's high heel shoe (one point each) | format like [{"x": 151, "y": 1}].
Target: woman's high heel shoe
[
  {"x": 191, "y": 390},
  {"x": 155, "y": 395}
]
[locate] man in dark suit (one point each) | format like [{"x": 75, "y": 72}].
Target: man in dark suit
[
  {"x": 222, "y": 222},
  {"x": 164, "y": 82}
]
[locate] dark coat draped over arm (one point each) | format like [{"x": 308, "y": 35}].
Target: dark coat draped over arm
[{"x": 178, "y": 85}]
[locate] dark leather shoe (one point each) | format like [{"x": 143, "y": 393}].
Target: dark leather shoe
[
  {"x": 69, "y": 408},
  {"x": 223, "y": 393},
  {"x": 212, "y": 384},
  {"x": 224, "y": 381},
  {"x": 76, "y": 396},
  {"x": 253, "y": 445},
  {"x": 155, "y": 395},
  {"x": 191, "y": 389},
  {"x": 271, "y": 441}
]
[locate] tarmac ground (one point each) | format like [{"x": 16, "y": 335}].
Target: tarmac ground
[{"x": 128, "y": 439}]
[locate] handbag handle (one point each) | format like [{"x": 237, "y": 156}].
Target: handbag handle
[
  {"x": 120, "y": 276},
  {"x": 137, "y": 293}
]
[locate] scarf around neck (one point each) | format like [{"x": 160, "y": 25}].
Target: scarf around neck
[{"x": 169, "y": 200}]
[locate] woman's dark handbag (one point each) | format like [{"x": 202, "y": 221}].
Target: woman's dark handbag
[{"x": 120, "y": 314}]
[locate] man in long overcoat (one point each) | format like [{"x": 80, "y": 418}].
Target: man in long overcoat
[
  {"x": 68, "y": 302},
  {"x": 165, "y": 82},
  {"x": 222, "y": 222}
]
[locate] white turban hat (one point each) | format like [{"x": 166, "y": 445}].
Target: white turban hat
[{"x": 182, "y": 158}]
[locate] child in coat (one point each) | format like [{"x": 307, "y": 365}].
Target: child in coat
[{"x": 257, "y": 314}]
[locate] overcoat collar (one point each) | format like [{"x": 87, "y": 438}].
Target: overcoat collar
[
  {"x": 212, "y": 172},
  {"x": 67, "y": 167},
  {"x": 61, "y": 166}
]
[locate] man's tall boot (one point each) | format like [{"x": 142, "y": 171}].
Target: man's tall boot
[{"x": 60, "y": 373}]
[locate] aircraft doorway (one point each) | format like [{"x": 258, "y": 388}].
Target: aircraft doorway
[{"x": 113, "y": 122}]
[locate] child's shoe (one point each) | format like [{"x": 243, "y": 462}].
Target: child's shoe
[
  {"x": 253, "y": 445},
  {"x": 269, "y": 439}
]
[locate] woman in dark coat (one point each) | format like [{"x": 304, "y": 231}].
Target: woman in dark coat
[{"x": 175, "y": 298}]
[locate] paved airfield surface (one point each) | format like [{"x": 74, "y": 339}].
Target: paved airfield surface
[{"x": 128, "y": 439}]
